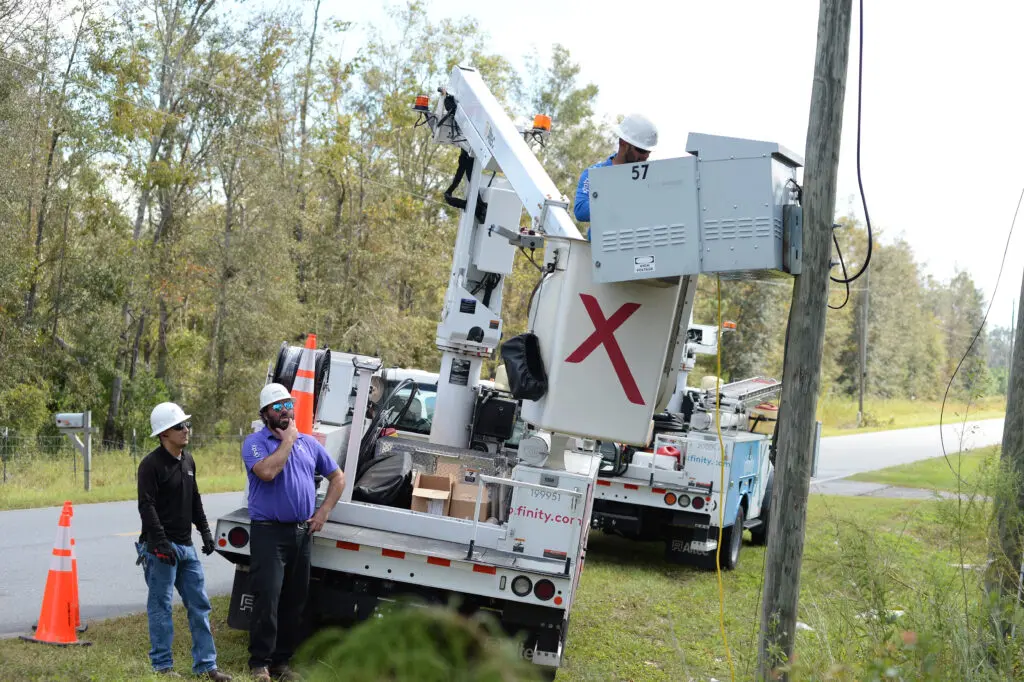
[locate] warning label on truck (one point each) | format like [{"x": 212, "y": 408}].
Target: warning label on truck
[{"x": 643, "y": 263}]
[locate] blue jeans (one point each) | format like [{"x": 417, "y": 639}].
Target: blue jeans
[{"x": 187, "y": 576}]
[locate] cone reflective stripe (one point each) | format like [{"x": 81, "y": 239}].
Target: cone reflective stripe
[
  {"x": 302, "y": 388},
  {"x": 57, "y": 615},
  {"x": 76, "y": 604}
]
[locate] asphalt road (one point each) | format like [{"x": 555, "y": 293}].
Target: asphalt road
[
  {"x": 843, "y": 456},
  {"x": 111, "y": 584}
]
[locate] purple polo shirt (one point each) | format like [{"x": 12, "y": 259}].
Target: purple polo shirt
[{"x": 291, "y": 496}]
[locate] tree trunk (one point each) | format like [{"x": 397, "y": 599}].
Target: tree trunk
[
  {"x": 1005, "y": 573},
  {"x": 161, "y": 347},
  {"x": 44, "y": 195},
  {"x": 30, "y": 299},
  {"x": 300, "y": 183},
  {"x": 59, "y": 290}
]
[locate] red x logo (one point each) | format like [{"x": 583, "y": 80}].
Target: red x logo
[{"x": 604, "y": 333}]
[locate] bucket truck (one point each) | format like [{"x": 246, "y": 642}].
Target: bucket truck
[{"x": 498, "y": 528}]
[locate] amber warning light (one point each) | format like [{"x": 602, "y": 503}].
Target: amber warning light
[
  {"x": 542, "y": 122},
  {"x": 422, "y": 103}
]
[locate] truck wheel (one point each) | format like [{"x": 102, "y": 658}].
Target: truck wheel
[
  {"x": 732, "y": 538},
  {"x": 759, "y": 535}
]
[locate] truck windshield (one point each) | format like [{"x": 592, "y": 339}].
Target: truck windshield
[{"x": 420, "y": 415}]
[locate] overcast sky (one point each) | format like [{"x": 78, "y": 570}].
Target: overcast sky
[{"x": 942, "y": 118}]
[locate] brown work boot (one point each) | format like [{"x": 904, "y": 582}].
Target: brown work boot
[
  {"x": 284, "y": 674},
  {"x": 217, "y": 675},
  {"x": 260, "y": 674}
]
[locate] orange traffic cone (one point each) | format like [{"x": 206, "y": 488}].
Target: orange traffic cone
[
  {"x": 74, "y": 575},
  {"x": 57, "y": 616},
  {"x": 303, "y": 387}
]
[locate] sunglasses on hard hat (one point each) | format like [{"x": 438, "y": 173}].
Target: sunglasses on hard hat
[
  {"x": 287, "y": 405},
  {"x": 182, "y": 426}
]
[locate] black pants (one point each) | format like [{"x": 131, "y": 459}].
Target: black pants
[{"x": 279, "y": 579}]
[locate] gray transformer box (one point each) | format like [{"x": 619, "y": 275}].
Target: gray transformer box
[{"x": 729, "y": 209}]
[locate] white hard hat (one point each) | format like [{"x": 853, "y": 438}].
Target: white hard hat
[
  {"x": 271, "y": 393},
  {"x": 164, "y": 416},
  {"x": 639, "y": 131}
]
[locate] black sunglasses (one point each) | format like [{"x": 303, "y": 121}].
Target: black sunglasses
[{"x": 182, "y": 426}]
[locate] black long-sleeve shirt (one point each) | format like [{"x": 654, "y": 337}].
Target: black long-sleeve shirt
[{"x": 169, "y": 501}]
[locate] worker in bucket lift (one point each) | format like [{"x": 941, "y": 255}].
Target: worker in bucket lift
[
  {"x": 169, "y": 504},
  {"x": 638, "y": 137},
  {"x": 282, "y": 464}
]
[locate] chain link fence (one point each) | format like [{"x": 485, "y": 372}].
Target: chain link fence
[{"x": 21, "y": 457}]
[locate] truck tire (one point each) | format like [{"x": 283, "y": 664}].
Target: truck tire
[
  {"x": 759, "y": 535},
  {"x": 732, "y": 541}
]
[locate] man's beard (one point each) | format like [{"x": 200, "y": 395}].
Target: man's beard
[{"x": 281, "y": 423}]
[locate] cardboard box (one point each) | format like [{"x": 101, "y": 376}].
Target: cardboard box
[
  {"x": 463, "y": 502},
  {"x": 432, "y": 494}
]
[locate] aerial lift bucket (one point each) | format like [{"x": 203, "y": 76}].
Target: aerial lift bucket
[{"x": 609, "y": 350}]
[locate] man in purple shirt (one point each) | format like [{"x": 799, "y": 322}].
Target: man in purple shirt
[{"x": 282, "y": 496}]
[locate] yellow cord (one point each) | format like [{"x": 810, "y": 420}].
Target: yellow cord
[{"x": 724, "y": 493}]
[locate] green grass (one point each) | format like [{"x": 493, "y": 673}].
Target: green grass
[
  {"x": 39, "y": 480},
  {"x": 935, "y": 473},
  {"x": 639, "y": 618},
  {"x": 839, "y": 417}
]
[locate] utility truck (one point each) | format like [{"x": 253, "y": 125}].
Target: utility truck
[{"x": 462, "y": 516}]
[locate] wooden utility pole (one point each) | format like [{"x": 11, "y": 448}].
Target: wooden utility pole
[{"x": 801, "y": 374}]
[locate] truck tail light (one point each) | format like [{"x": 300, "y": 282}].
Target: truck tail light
[
  {"x": 544, "y": 590},
  {"x": 698, "y": 503},
  {"x": 684, "y": 500},
  {"x": 670, "y": 498},
  {"x": 521, "y": 586},
  {"x": 238, "y": 537}
]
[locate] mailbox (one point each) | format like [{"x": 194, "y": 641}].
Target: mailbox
[{"x": 70, "y": 420}]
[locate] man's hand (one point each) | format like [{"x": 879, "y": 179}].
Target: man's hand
[
  {"x": 208, "y": 545},
  {"x": 164, "y": 552},
  {"x": 317, "y": 521},
  {"x": 289, "y": 434}
]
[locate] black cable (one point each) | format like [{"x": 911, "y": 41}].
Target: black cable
[
  {"x": 845, "y": 280},
  {"x": 464, "y": 168},
  {"x": 981, "y": 328},
  {"x": 490, "y": 282},
  {"x": 529, "y": 257},
  {"x": 860, "y": 180}
]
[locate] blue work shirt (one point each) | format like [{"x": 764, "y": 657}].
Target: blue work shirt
[
  {"x": 581, "y": 207},
  {"x": 291, "y": 496}
]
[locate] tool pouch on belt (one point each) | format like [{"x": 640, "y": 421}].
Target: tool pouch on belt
[{"x": 525, "y": 369}]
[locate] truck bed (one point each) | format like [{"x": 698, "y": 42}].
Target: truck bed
[{"x": 334, "y": 532}]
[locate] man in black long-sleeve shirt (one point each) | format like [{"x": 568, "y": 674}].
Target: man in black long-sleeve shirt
[{"x": 169, "y": 504}]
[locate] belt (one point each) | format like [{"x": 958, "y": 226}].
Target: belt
[{"x": 289, "y": 524}]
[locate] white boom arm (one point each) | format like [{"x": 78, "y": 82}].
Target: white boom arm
[
  {"x": 470, "y": 117},
  {"x": 493, "y": 140}
]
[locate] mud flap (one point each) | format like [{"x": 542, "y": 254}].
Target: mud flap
[
  {"x": 240, "y": 609},
  {"x": 677, "y": 544}
]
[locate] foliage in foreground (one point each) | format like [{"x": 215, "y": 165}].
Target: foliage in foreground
[{"x": 416, "y": 644}]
